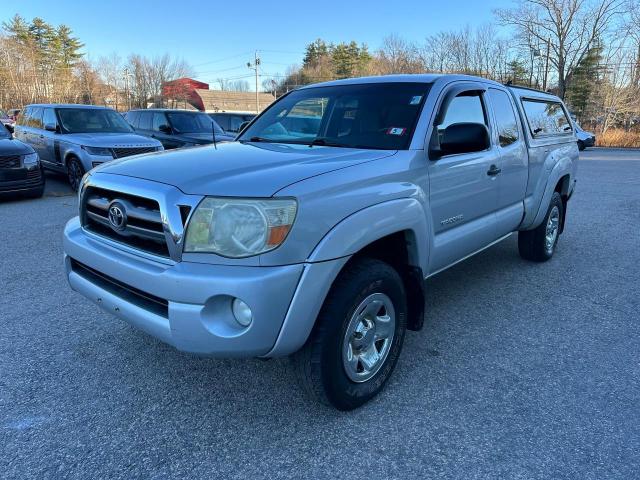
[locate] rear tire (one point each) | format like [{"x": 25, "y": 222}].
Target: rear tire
[
  {"x": 75, "y": 172},
  {"x": 357, "y": 338},
  {"x": 539, "y": 244}
]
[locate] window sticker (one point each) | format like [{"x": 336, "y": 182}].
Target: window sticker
[
  {"x": 396, "y": 131},
  {"x": 416, "y": 100}
]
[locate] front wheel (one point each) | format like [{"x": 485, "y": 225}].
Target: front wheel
[
  {"x": 357, "y": 338},
  {"x": 581, "y": 146},
  {"x": 540, "y": 243},
  {"x": 75, "y": 172}
]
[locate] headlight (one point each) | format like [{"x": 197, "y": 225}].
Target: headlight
[
  {"x": 100, "y": 151},
  {"x": 239, "y": 228},
  {"x": 30, "y": 160}
]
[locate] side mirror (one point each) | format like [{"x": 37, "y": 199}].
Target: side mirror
[
  {"x": 50, "y": 127},
  {"x": 463, "y": 138},
  {"x": 165, "y": 129}
]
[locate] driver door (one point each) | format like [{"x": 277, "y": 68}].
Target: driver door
[{"x": 463, "y": 187}]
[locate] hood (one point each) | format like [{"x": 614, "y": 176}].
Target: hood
[
  {"x": 237, "y": 169},
  {"x": 207, "y": 137},
  {"x": 110, "y": 140},
  {"x": 13, "y": 147}
]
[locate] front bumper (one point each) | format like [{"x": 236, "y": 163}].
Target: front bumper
[
  {"x": 188, "y": 305},
  {"x": 21, "y": 180}
]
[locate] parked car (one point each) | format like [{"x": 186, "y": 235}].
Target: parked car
[
  {"x": 177, "y": 128},
  {"x": 317, "y": 246},
  {"x": 7, "y": 121},
  {"x": 75, "y": 138},
  {"x": 585, "y": 139},
  {"x": 232, "y": 122},
  {"x": 20, "y": 168}
]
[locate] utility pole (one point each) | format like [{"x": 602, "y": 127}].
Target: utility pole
[
  {"x": 254, "y": 66},
  {"x": 126, "y": 86},
  {"x": 546, "y": 66}
]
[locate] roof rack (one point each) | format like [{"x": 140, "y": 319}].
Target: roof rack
[{"x": 509, "y": 84}]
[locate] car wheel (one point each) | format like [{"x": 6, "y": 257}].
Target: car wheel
[
  {"x": 540, "y": 243},
  {"x": 75, "y": 172},
  {"x": 580, "y": 145},
  {"x": 357, "y": 338}
]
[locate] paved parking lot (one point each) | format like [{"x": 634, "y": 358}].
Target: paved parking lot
[{"x": 522, "y": 370}]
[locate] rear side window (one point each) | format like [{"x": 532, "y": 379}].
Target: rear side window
[
  {"x": 546, "y": 117},
  {"x": 505, "y": 117},
  {"x": 145, "y": 120}
]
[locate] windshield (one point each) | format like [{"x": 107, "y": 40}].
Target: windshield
[
  {"x": 92, "y": 120},
  {"x": 373, "y": 115},
  {"x": 3, "y": 114},
  {"x": 186, "y": 122}
]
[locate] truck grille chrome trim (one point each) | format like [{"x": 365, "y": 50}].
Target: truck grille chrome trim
[{"x": 149, "y": 218}]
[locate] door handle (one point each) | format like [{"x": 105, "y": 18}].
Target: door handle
[{"x": 493, "y": 171}]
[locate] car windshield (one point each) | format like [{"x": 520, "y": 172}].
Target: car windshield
[
  {"x": 373, "y": 115},
  {"x": 186, "y": 122},
  {"x": 92, "y": 120},
  {"x": 3, "y": 114}
]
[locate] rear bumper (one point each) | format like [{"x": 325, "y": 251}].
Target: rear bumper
[{"x": 188, "y": 305}]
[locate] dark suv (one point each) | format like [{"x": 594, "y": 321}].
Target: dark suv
[
  {"x": 232, "y": 122},
  {"x": 20, "y": 169},
  {"x": 177, "y": 128}
]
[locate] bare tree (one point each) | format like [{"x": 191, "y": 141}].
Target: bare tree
[{"x": 569, "y": 27}]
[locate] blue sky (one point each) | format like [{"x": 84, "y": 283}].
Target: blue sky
[{"x": 218, "y": 41}]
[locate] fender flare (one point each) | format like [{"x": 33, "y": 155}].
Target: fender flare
[
  {"x": 366, "y": 226},
  {"x": 559, "y": 170},
  {"x": 335, "y": 249}
]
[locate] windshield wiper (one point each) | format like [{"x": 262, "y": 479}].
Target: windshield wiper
[
  {"x": 325, "y": 142},
  {"x": 260, "y": 139}
]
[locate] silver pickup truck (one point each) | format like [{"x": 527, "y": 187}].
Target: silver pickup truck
[{"x": 312, "y": 234}]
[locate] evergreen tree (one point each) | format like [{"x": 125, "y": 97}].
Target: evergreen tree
[{"x": 584, "y": 84}]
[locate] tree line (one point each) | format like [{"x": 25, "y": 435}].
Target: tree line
[{"x": 40, "y": 62}]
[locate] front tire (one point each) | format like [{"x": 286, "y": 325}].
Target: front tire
[
  {"x": 75, "y": 172},
  {"x": 357, "y": 338},
  {"x": 581, "y": 146},
  {"x": 539, "y": 244}
]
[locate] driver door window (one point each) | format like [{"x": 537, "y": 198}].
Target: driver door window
[{"x": 467, "y": 107}]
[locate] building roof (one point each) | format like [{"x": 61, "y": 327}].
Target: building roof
[{"x": 222, "y": 100}]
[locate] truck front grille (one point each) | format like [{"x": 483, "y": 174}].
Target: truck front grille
[
  {"x": 141, "y": 227},
  {"x": 9, "y": 161},
  {"x": 128, "y": 151}
]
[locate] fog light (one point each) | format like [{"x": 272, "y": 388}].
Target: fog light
[{"x": 241, "y": 312}]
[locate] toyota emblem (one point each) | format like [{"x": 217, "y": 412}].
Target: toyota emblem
[{"x": 117, "y": 216}]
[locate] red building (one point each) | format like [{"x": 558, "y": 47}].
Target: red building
[
  {"x": 184, "y": 89},
  {"x": 186, "y": 92}
]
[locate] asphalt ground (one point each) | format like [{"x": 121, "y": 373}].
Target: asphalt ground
[{"x": 522, "y": 370}]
